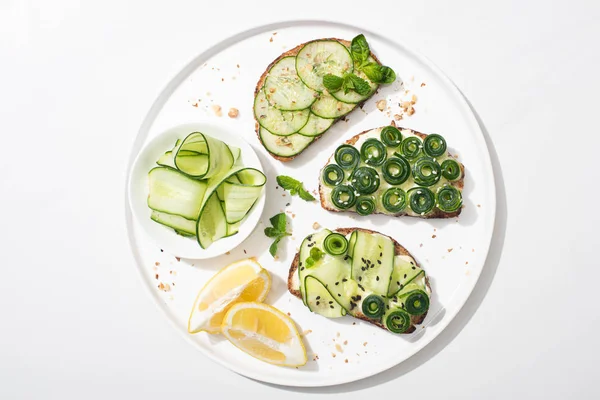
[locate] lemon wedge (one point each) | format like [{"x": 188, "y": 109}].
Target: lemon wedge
[
  {"x": 244, "y": 280},
  {"x": 265, "y": 333}
]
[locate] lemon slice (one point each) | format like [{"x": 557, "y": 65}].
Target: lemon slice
[
  {"x": 265, "y": 333},
  {"x": 244, "y": 280}
]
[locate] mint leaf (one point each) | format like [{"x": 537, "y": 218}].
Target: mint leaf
[
  {"x": 273, "y": 247},
  {"x": 287, "y": 182},
  {"x": 305, "y": 195},
  {"x": 279, "y": 222},
  {"x": 360, "y": 85},
  {"x": 332, "y": 83},
  {"x": 272, "y": 232},
  {"x": 379, "y": 73},
  {"x": 295, "y": 187},
  {"x": 359, "y": 50}
]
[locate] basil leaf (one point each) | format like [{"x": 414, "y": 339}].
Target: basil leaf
[
  {"x": 360, "y": 85},
  {"x": 332, "y": 83},
  {"x": 359, "y": 49}
]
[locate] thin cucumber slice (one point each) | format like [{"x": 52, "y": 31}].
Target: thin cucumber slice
[
  {"x": 211, "y": 226},
  {"x": 222, "y": 195},
  {"x": 174, "y": 193},
  {"x": 353, "y": 97},
  {"x": 279, "y": 122},
  {"x": 239, "y": 198},
  {"x": 166, "y": 160},
  {"x": 320, "y": 301},
  {"x": 284, "y": 146},
  {"x": 373, "y": 261},
  {"x": 404, "y": 273},
  {"x": 183, "y": 226},
  {"x": 316, "y": 126},
  {"x": 284, "y": 89},
  {"x": 329, "y": 107},
  {"x": 235, "y": 152},
  {"x": 213, "y": 156},
  {"x": 319, "y": 58}
]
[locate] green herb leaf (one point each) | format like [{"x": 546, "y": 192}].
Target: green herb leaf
[
  {"x": 305, "y": 195},
  {"x": 279, "y": 222},
  {"x": 277, "y": 231},
  {"x": 332, "y": 83},
  {"x": 273, "y": 247},
  {"x": 272, "y": 232},
  {"x": 360, "y": 85},
  {"x": 359, "y": 49},
  {"x": 316, "y": 253},
  {"x": 379, "y": 73},
  {"x": 295, "y": 187}
]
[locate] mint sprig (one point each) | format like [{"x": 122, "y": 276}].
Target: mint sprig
[
  {"x": 295, "y": 187},
  {"x": 277, "y": 231}
]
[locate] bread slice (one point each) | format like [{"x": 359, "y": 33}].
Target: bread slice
[
  {"x": 293, "y": 52},
  {"x": 437, "y": 213},
  {"x": 399, "y": 250}
]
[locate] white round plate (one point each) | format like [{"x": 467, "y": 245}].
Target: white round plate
[
  {"x": 452, "y": 251},
  {"x": 165, "y": 237}
]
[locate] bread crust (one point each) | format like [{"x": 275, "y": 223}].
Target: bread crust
[
  {"x": 261, "y": 81},
  {"x": 459, "y": 184},
  {"x": 398, "y": 250}
]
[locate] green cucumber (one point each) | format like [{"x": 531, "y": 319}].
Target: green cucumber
[
  {"x": 282, "y": 123},
  {"x": 321, "y": 57},
  {"x": 316, "y": 125},
  {"x": 174, "y": 193},
  {"x": 183, "y": 226},
  {"x": 320, "y": 301},
  {"x": 284, "y": 89},
  {"x": 284, "y": 146},
  {"x": 373, "y": 261},
  {"x": 210, "y": 157},
  {"x": 238, "y": 198},
  {"x": 211, "y": 225},
  {"x": 404, "y": 273},
  {"x": 328, "y": 107}
]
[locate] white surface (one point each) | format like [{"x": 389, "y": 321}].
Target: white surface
[
  {"x": 144, "y": 159},
  {"x": 453, "y": 273},
  {"x": 75, "y": 320}
]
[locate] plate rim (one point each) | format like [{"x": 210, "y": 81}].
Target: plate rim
[{"x": 173, "y": 83}]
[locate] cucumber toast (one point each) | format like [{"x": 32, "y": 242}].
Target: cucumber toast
[
  {"x": 304, "y": 91},
  {"x": 393, "y": 171},
  {"x": 362, "y": 273}
]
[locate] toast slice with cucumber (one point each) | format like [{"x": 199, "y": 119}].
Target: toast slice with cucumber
[
  {"x": 363, "y": 273},
  {"x": 307, "y": 89},
  {"x": 393, "y": 171}
]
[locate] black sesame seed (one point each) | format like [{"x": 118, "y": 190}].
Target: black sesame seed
[
  {"x": 337, "y": 283},
  {"x": 404, "y": 276},
  {"x": 379, "y": 262},
  {"x": 287, "y": 204},
  {"x": 380, "y": 254},
  {"x": 344, "y": 280},
  {"x": 358, "y": 297},
  {"x": 388, "y": 307},
  {"x": 330, "y": 306},
  {"x": 397, "y": 283},
  {"x": 361, "y": 288},
  {"x": 360, "y": 278},
  {"x": 412, "y": 263},
  {"x": 395, "y": 299},
  {"x": 318, "y": 297},
  {"x": 331, "y": 302},
  {"x": 346, "y": 258},
  {"x": 352, "y": 305},
  {"x": 311, "y": 244},
  {"x": 414, "y": 267},
  {"x": 300, "y": 263},
  {"x": 339, "y": 295},
  {"x": 309, "y": 238},
  {"x": 363, "y": 260},
  {"x": 317, "y": 303},
  {"x": 377, "y": 278},
  {"x": 302, "y": 269}
]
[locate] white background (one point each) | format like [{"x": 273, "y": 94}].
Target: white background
[{"x": 76, "y": 80}]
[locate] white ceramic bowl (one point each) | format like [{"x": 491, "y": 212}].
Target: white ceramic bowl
[{"x": 165, "y": 237}]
